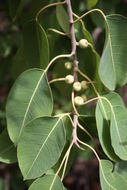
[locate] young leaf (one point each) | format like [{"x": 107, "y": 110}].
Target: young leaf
[
  {"x": 113, "y": 65},
  {"x": 103, "y": 117},
  {"x": 62, "y": 18},
  {"x": 111, "y": 180},
  {"x": 29, "y": 98},
  {"x": 40, "y": 146},
  {"x": 8, "y": 153},
  {"x": 36, "y": 45},
  {"x": 48, "y": 182}
]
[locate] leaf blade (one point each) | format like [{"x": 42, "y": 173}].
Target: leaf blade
[
  {"x": 45, "y": 183},
  {"x": 27, "y": 92},
  {"x": 103, "y": 117},
  {"x": 112, "y": 69},
  {"x": 42, "y": 142},
  {"x": 111, "y": 180},
  {"x": 118, "y": 132},
  {"x": 62, "y": 18}
]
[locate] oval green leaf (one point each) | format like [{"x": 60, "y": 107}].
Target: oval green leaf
[
  {"x": 103, "y": 117},
  {"x": 29, "y": 98},
  {"x": 62, "y": 18},
  {"x": 111, "y": 180},
  {"x": 48, "y": 182},
  {"x": 113, "y": 65},
  {"x": 40, "y": 146},
  {"x": 119, "y": 131},
  {"x": 112, "y": 117}
]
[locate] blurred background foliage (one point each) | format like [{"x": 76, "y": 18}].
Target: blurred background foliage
[{"x": 14, "y": 35}]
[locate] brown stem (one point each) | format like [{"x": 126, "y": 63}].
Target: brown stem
[{"x": 74, "y": 53}]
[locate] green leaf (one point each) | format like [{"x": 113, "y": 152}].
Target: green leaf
[
  {"x": 119, "y": 131},
  {"x": 86, "y": 33},
  {"x": 62, "y": 18},
  {"x": 40, "y": 146},
  {"x": 8, "y": 153},
  {"x": 29, "y": 98},
  {"x": 48, "y": 182},
  {"x": 113, "y": 124},
  {"x": 121, "y": 168},
  {"x": 36, "y": 45},
  {"x": 113, "y": 65},
  {"x": 103, "y": 117},
  {"x": 89, "y": 61},
  {"x": 91, "y": 3},
  {"x": 111, "y": 180}
]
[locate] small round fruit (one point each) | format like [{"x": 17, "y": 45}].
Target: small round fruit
[
  {"x": 84, "y": 85},
  {"x": 77, "y": 86},
  {"x": 78, "y": 101},
  {"x": 84, "y": 98},
  {"x": 69, "y": 79},
  {"x": 83, "y": 43},
  {"x": 68, "y": 65}
]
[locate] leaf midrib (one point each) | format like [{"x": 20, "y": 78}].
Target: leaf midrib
[
  {"x": 29, "y": 104},
  {"x": 105, "y": 178},
  {"x": 42, "y": 147},
  {"x": 111, "y": 53}
]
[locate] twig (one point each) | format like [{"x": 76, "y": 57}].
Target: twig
[
  {"x": 58, "y": 32},
  {"x": 56, "y": 80},
  {"x": 89, "y": 12},
  {"x": 90, "y": 148},
  {"x": 47, "y": 6},
  {"x": 66, "y": 155}
]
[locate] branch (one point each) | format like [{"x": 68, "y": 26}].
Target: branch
[
  {"x": 73, "y": 39},
  {"x": 74, "y": 53}
]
